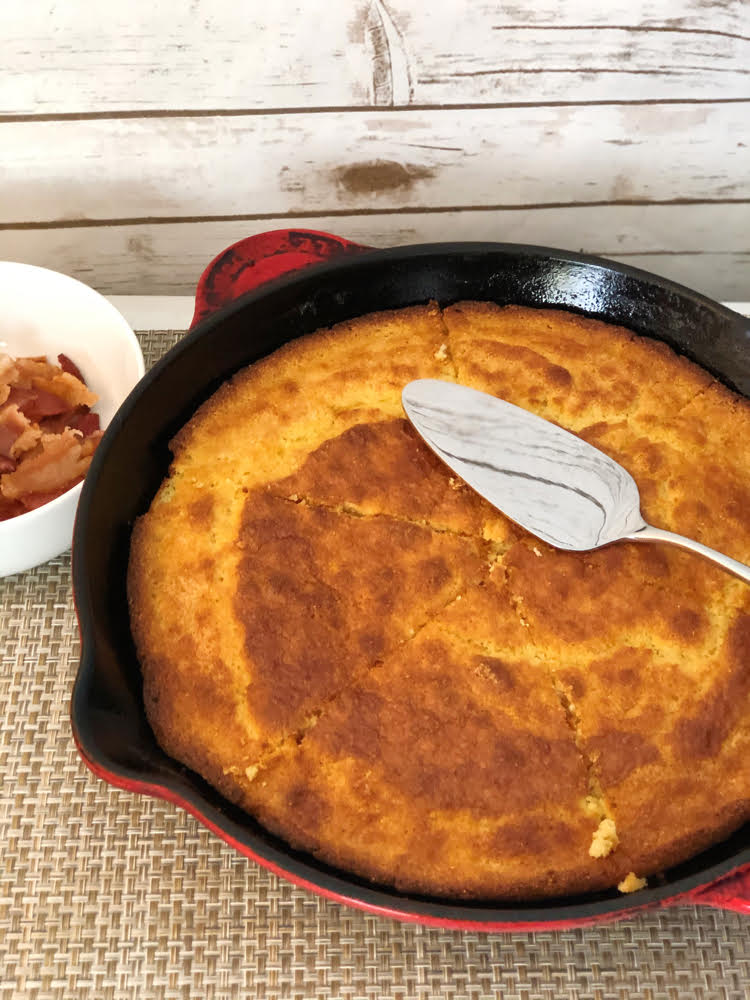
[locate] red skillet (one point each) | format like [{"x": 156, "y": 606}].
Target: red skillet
[{"x": 285, "y": 289}]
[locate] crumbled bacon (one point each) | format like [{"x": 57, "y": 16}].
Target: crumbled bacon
[
  {"x": 8, "y": 370},
  {"x": 70, "y": 367},
  {"x": 56, "y": 461},
  {"x": 33, "y": 500},
  {"x": 66, "y": 388},
  {"x": 13, "y": 423},
  {"x": 10, "y": 508},
  {"x": 87, "y": 423},
  {"x": 35, "y": 404},
  {"x": 47, "y": 431},
  {"x": 28, "y": 369},
  {"x": 80, "y": 419}
]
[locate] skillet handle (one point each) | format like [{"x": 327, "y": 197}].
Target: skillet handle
[
  {"x": 251, "y": 262},
  {"x": 730, "y": 893}
]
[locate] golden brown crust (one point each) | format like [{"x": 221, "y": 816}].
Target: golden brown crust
[
  {"x": 353, "y": 646},
  {"x": 458, "y": 780},
  {"x": 319, "y": 597},
  {"x": 381, "y": 468}
]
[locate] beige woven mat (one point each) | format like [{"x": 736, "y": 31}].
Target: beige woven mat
[{"x": 106, "y": 895}]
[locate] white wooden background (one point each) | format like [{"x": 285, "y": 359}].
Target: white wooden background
[{"x": 139, "y": 139}]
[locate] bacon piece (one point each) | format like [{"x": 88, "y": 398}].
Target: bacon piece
[
  {"x": 8, "y": 369},
  {"x": 70, "y": 367},
  {"x": 17, "y": 434},
  {"x": 66, "y": 387},
  {"x": 37, "y": 403},
  {"x": 58, "y": 423},
  {"x": 81, "y": 419},
  {"x": 12, "y": 425},
  {"x": 10, "y": 508},
  {"x": 26, "y": 442},
  {"x": 31, "y": 501},
  {"x": 55, "y": 463},
  {"x": 87, "y": 423},
  {"x": 27, "y": 369}
]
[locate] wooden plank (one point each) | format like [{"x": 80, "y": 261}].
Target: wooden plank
[
  {"x": 204, "y": 54},
  {"x": 707, "y": 248},
  {"x": 220, "y": 54},
  {"x": 581, "y": 51},
  {"x": 363, "y": 161}
]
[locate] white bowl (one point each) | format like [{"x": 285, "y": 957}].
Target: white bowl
[{"x": 43, "y": 312}]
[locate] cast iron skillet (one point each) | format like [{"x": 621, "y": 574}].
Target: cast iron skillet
[{"x": 109, "y": 723}]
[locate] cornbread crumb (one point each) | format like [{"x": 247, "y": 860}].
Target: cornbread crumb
[
  {"x": 536, "y": 551},
  {"x": 250, "y": 772},
  {"x": 455, "y": 484},
  {"x": 441, "y": 354},
  {"x": 605, "y": 840},
  {"x": 631, "y": 883},
  {"x": 593, "y": 807}
]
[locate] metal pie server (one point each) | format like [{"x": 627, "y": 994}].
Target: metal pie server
[{"x": 544, "y": 478}]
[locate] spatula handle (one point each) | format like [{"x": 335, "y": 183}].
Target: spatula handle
[{"x": 649, "y": 534}]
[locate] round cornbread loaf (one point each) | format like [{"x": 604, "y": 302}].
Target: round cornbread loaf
[{"x": 353, "y": 646}]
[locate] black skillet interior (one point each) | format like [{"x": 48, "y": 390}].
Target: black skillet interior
[{"x": 107, "y": 708}]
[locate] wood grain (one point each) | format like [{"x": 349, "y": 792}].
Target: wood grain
[
  {"x": 137, "y": 143},
  {"x": 363, "y": 161},
  {"x": 211, "y": 55},
  {"x": 706, "y": 248}
]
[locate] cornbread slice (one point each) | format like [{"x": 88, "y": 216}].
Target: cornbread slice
[
  {"x": 262, "y": 423},
  {"x": 603, "y": 597},
  {"x": 657, "y": 688},
  {"x": 263, "y": 630},
  {"x": 491, "y": 617},
  {"x": 668, "y": 740},
  {"x": 568, "y": 368},
  {"x": 384, "y": 467},
  {"x": 443, "y": 770}
]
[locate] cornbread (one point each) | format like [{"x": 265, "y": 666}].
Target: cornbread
[{"x": 354, "y": 647}]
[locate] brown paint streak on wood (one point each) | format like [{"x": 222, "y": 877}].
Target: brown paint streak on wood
[
  {"x": 85, "y": 116},
  {"x": 380, "y": 176},
  {"x": 344, "y": 213},
  {"x": 583, "y": 70},
  {"x": 647, "y": 29}
]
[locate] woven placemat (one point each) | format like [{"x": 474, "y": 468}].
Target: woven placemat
[{"x": 108, "y": 895}]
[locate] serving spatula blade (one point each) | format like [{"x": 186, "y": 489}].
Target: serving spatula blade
[{"x": 551, "y": 482}]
